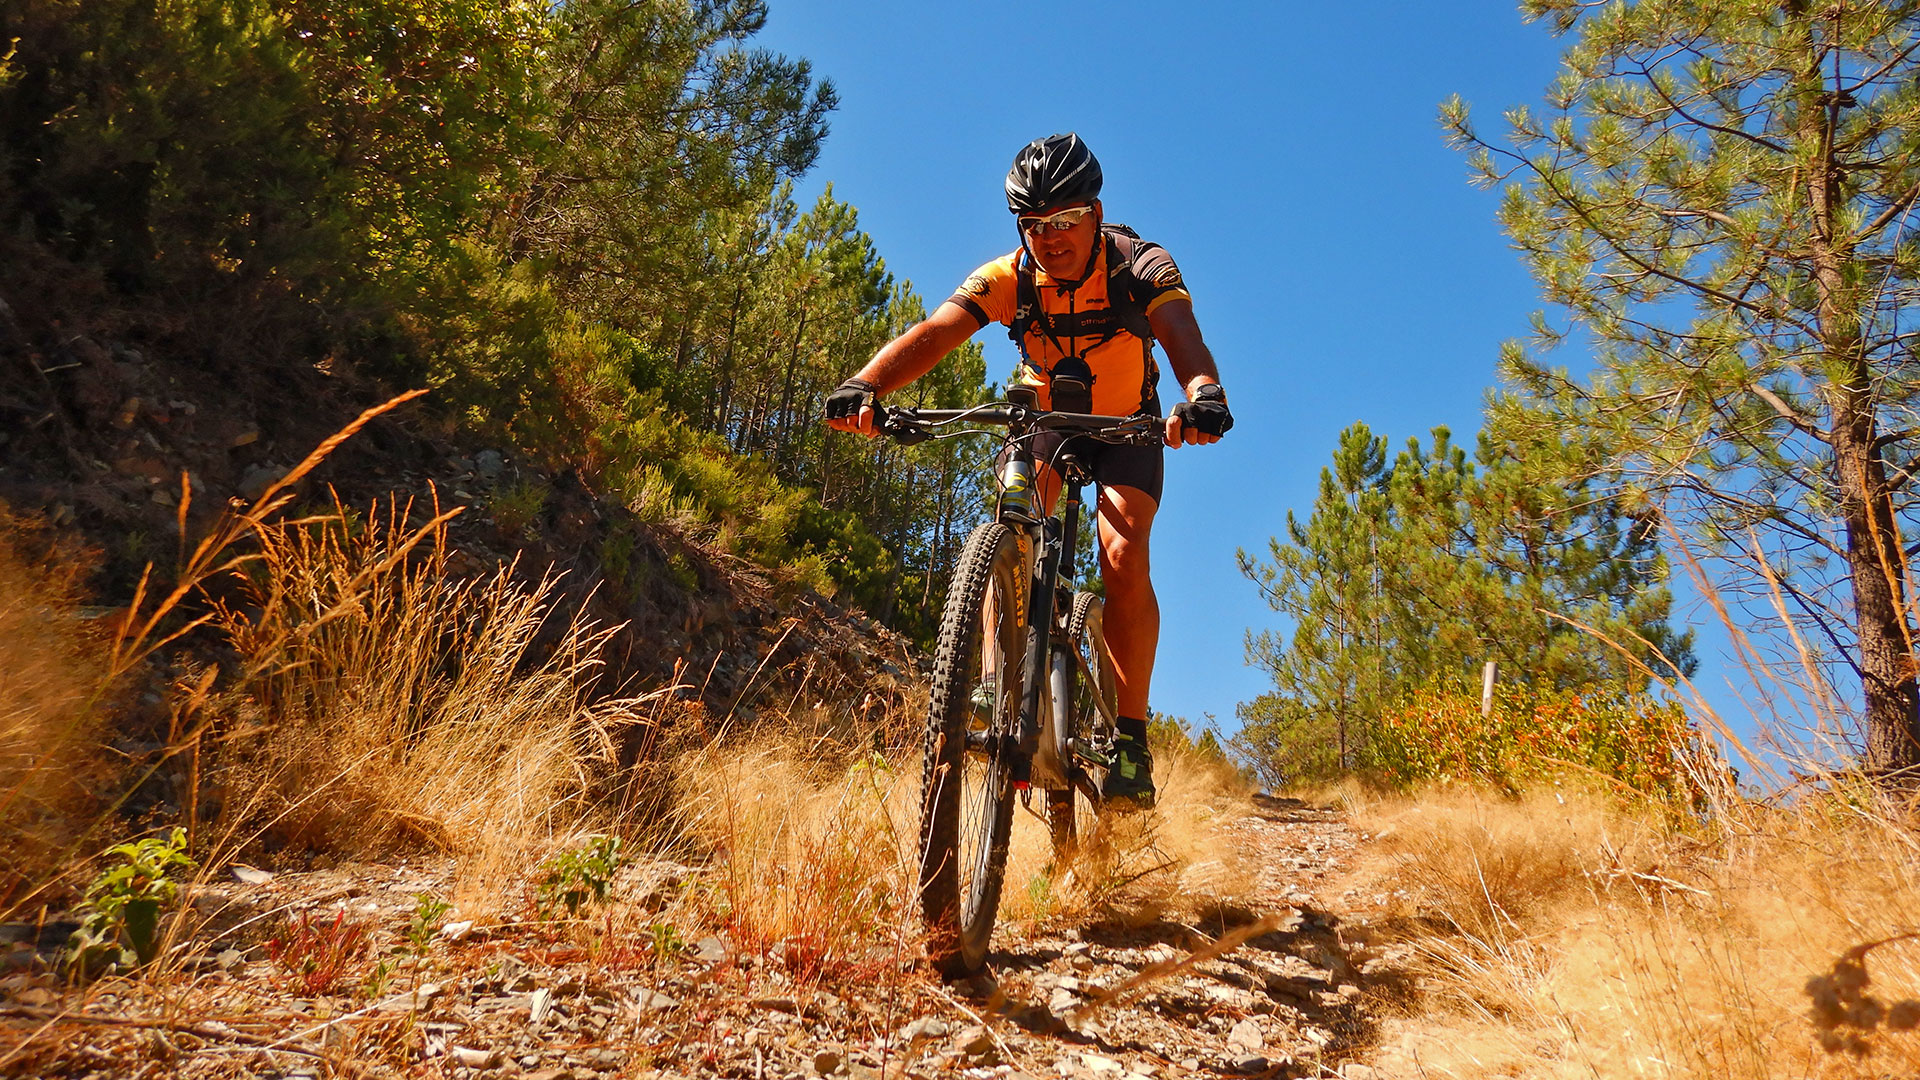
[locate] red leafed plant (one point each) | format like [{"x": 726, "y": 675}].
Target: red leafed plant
[{"x": 316, "y": 953}]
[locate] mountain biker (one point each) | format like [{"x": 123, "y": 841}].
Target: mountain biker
[{"x": 1084, "y": 301}]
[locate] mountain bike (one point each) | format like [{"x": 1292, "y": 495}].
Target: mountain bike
[{"x": 1023, "y": 692}]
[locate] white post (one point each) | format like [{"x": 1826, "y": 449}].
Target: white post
[{"x": 1487, "y": 676}]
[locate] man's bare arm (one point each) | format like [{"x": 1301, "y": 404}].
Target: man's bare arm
[
  {"x": 911, "y": 355},
  {"x": 1179, "y": 333}
]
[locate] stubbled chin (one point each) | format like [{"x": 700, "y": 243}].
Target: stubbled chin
[{"x": 1056, "y": 265}]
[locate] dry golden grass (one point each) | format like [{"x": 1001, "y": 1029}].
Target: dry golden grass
[
  {"x": 376, "y": 701},
  {"x": 1564, "y": 934},
  {"x": 811, "y": 851},
  {"x": 405, "y": 707},
  {"x": 51, "y": 682},
  {"x": 1174, "y": 861}
]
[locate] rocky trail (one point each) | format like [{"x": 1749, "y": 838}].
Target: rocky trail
[{"x": 1279, "y": 987}]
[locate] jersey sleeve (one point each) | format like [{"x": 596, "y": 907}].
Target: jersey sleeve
[
  {"x": 1159, "y": 278},
  {"x": 988, "y": 294}
]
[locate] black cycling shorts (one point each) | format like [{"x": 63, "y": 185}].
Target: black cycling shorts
[{"x": 1140, "y": 467}]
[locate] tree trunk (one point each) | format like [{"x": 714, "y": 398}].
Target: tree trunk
[
  {"x": 719, "y": 422},
  {"x": 1875, "y": 561},
  {"x": 1879, "y": 596},
  {"x": 786, "y": 396}
]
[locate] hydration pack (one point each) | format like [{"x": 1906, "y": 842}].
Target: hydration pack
[{"x": 1126, "y": 299}]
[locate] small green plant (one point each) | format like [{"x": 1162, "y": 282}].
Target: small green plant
[
  {"x": 579, "y": 875},
  {"x": 317, "y": 953},
  {"x": 1040, "y": 895},
  {"x": 120, "y": 919},
  {"x": 516, "y": 506},
  {"x": 664, "y": 940},
  {"x": 377, "y": 979},
  {"x": 429, "y": 911}
]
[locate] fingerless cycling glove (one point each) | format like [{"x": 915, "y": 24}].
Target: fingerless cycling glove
[
  {"x": 849, "y": 398},
  {"x": 1207, "y": 412}
]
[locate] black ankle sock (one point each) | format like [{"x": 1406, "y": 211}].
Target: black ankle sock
[{"x": 1130, "y": 728}]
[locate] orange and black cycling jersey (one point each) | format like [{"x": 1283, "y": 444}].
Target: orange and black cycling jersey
[{"x": 1080, "y": 322}]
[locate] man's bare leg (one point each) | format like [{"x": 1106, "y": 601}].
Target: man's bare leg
[{"x": 1133, "y": 611}]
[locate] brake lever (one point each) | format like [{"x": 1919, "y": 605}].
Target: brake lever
[{"x": 900, "y": 429}]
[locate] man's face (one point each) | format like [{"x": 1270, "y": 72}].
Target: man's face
[{"x": 1062, "y": 252}]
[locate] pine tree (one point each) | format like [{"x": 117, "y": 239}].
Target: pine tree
[
  {"x": 1416, "y": 572},
  {"x": 1721, "y": 196}
]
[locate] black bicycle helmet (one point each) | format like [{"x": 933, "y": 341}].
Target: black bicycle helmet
[{"x": 1053, "y": 171}]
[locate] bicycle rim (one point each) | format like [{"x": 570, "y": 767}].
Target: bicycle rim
[{"x": 966, "y": 793}]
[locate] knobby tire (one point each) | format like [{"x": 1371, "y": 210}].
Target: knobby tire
[{"x": 966, "y": 808}]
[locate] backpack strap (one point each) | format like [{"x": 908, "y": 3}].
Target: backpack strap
[
  {"x": 1124, "y": 294},
  {"x": 1123, "y": 298}
]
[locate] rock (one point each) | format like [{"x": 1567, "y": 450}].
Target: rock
[
  {"x": 1037, "y": 1019},
  {"x": 257, "y": 478},
  {"x": 456, "y": 931},
  {"x": 231, "y": 961},
  {"x": 710, "y": 950},
  {"x": 826, "y": 1062},
  {"x": 1097, "y": 1064},
  {"x": 1249, "y": 1063},
  {"x": 247, "y": 875},
  {"x": 475, "y": 1059},
  {"x": 979, "y": 987},
  {"x": 927, "y": 1027},
  {"x": 547, "y": 1074},
  {"x": 36, "y": 996},
  {"x": 645, "y": 1000},
  {"x": 413, "y": 1000},
  {"x": 88, "y": 351},
  {"x": 1246, "y": 1036},
  {"x": 1064, "y": 1001},
  {"x": 975, "y": 1042},
  {"x": 538, "y": 1006},
  {"x": 489, "y": 463},
  {"x": 1357, "y": 1072}
]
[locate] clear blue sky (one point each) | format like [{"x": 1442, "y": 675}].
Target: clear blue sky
[{"x": 1287, "y": 154}]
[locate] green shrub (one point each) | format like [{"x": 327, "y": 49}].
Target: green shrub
[
  {"x": 1633, "y": 740},
  {"x": 580, "y": 875},
  {"x": 120, "y": 918}
]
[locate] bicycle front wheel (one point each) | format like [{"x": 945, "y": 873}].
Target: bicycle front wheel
[{"x": 966, "y": 807}]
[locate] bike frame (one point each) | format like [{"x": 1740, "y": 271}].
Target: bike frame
[
  {"x": 1043, "y": 750},
  {"x": 1043, "y": 731}
]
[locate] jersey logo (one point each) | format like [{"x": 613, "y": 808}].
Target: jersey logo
[
  {"x": 1167, "y": 277},
  {"x": 976, "y": 286}
]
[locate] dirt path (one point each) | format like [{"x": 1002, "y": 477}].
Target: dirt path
[{"x": 516, "y": 1001}]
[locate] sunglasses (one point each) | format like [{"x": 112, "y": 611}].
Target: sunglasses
[{"x": 1059, "y": 222}]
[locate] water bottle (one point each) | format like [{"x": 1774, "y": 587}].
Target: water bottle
[{"x": 1016, "y": 491}]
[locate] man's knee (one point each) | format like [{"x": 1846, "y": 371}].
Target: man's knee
[{"x": 1124, "y": 567}]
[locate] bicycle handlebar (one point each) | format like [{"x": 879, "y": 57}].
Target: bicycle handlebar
[{"x": 908, "y": 426}]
